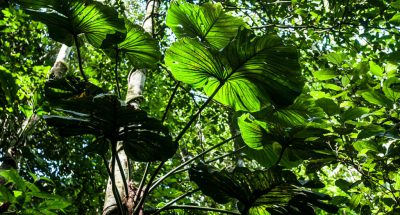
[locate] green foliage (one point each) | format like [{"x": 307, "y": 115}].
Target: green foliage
[
  {"x": 24, "y": 197},
  {"x": 68, "y": 19},
  {"x": 320, "y": 100}
]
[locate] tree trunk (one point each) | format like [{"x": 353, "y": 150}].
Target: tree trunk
[{"x": 136, "y": 79}]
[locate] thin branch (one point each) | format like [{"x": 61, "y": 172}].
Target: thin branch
[
  {"x": 80, "y": 58},
  {"x": 116, "y": 74},
  {"x": 114, "y": 186},
  {"x": 170, "y": 102},
  {"x": 180, "y": 135},
  {"x": 189, "y": 161},
  {"x": 139, "y": 191},
  {"x": 217, "y": 158},
  {"x": 227, "y": 154},
  {"x": 165, "y": 207},
  {"x": 281, "y": 155},
  {"x": 146, "y": 190},
  {"x": 192, "y": 207},
  {"x": 122, "y": 174}
]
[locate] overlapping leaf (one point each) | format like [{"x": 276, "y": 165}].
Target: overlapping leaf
[
  {"x": 68, "y": 18},
  {"x": 208, "y": 22},
  {"x": 253, "y": 72},
  {"x": 141, "y": 49},
  {"x": 259, "y": 192},
  {"x": 103, "y": 115},
  {"x": 298, "y": 142}
]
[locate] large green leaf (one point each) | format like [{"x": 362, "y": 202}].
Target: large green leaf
[
  {"x": 68, "y": 18},
  {"x": 300, "y": 142},
  {"x": 144, "y": 138},
  {"x": 258, "y": 192},
  {"x": 208, "y": 22},
  {"x": 253, "y": 72},
  {"x": 391, "y": 88},
  {"x": 141, "y": 49}
]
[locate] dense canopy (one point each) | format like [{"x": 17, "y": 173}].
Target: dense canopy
[{"x": 200, "y": 107}]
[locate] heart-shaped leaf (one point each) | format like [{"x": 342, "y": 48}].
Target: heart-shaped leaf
[
  {"x": 250, "y": 73},
  {"x": 208, "y": 22}
]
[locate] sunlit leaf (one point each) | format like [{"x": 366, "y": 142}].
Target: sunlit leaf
[
  {"x": 67, "y": 19},
  {"x": 208, "y": 22},
  {"x": 250, "y": 70}
]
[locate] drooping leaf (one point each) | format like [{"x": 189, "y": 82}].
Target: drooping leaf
[
  {"x": 371, "y": 130},
  {"x": 395, "y": 19},
  {"x": 375, "y": 69},
  {"x": 141, "y": 49},
  {"x": 12, "y": 176},
  {"x": 335, "y": 57},
  {"x": 253, "y": 72},
  {"x": 354, "y": 113},
  {"x": 325, "y": 74},
  {"x": 365, "y": 146},
  {"x": 375, "y": 97},
  {"x": 329, "y": 106},
  {"x": 254, "y": 132},
  {"x": 299, "y": 142},
  {"x": 208, "y": 22},
  {"x": 66, "y": 19},
  {"x": 258, "y": 192},
  {"x": 391, "y": 88}
]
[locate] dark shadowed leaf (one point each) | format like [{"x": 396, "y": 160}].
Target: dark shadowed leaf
[
  {"x": 258, "y": 192},
  {"x": 103, "y": 115}
]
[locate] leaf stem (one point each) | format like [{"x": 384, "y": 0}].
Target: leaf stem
[
  {"x": 165, "y": 207},
  {"x": 116, "y": 74},
  {"x": 80, "y": 58},
  {"x": 146, "y": 190},
  {"x": 193, "y": 207},
  {"x": 217, "y": 158},
  {"x": 122, "y": 173},
  {"x": 144, "y": 176},
  {"x": 187, "y": 126},
  {"x": 114, "y": 186},
  {"x": 170, "y": 102},
  {"x": 189, "y": 161},
  {"x": 281, "y": 155}
]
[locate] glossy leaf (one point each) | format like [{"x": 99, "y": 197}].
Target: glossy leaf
[
  {"x": 66, "y": 19},
  {"x": 208, "y": 22},
  {"x": 250, "y": 70}
]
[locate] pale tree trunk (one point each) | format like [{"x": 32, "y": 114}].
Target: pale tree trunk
[
  {"x": 136, "y": 80},
  {"x": 11, "y": 159}
]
